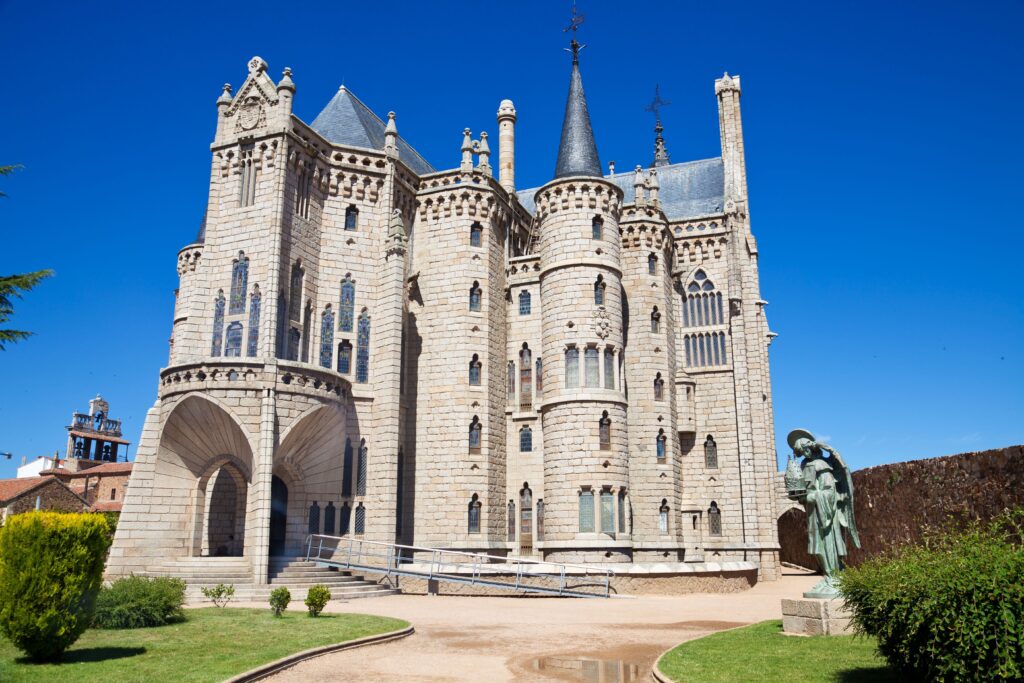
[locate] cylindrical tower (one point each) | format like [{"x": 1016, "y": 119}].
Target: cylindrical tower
[{"x": 507, "y": 145}]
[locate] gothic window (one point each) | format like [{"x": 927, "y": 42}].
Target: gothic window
[
  {"x": 346, "y": 518},
  {"x": 239, "y": 284},
  {"x": 330, "y": 513},
  {"x": 604, "y": 431},
  {"x": 540, "y": 519},
  {"x": 363, "y": 348},
  {"x": 597, "y": 228},
  {"x": 303, "y": 183},
  {"x": 327, "y": 337},
  {"x": 599, "y": 291},
  {"x": 622, "y": 511},
  {"x": 475, "y": 429},
  {"x": 609, "y": 368},
  {"x": 704, "y": 349},
  {"x": 475, "y": 295},
  {"x": 652, "y": 264},
  {"x": 525, "y": 379},
  {"x": 360, "y": 520},
  {"x": 655, "y": 320},
  {"x": 591, "y": 368},
  {"x": 714, "y": 520},
  {"x": 307, "y": 323},
  {"x": 218, "y": 323},
  {"x": 233, "y": 340},
  {"x": 525, "y": 440},
  {"x": 254, "y": 322},
  {"x": 539, "y": 378},
  {"x": 511, "y": 521},
  {"x": 572, "y": 367},
  {"x": 607, "y": 512},
  {"x": 476, "y": 232},
  {"x": 525, "y": 509},
  {"x": 659, "y": 388},
  {"x": 345, "y": 357},
  {"x": 524, "y": 302},
  {"x": 282, "y": 326},
  {"x": 347, "y": 305},
  {"x": 351, "y": 218},
  {"x": 474, "y": 514},
  {"x": 474, "y": 371},
  {"x": 295, "y": 292},
  {"x": 314, "y": 518},
  {"x": 710, "y": 452},
  {"x": 511, "y": 380},
  {"x": 586, "y": 512},
  {"x": 346, "y": 469},
  {"x": 247, "y": 186},
  {"x": 364, "y": 456},
  {"x": 660, "y": 447},
  {"x": 702, "y": 304},
  {"x": 663, "y": 517}
]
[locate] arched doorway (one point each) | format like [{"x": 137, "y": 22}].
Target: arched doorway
[
  {"x": 225, "y": 513},
  {"x": 278, "y": 516}
]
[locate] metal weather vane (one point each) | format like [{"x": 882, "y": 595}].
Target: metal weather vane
[
  {"x": 656, "y": 104},
  {"x": 575, "y": 21}
]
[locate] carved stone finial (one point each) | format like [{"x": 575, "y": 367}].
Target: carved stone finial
[
  {"x": 225, "y": 96},
  {"x": 257, "y": 65},
  {"x": 391, "y": 137},
  {"x": 726, "y": 83},
  {"x": 483, "y": 148},
  {"x": 397, "y": 235},
  {"x": 286, "y": 81}
]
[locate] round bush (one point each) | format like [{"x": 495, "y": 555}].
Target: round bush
[
  {"x": 279, "y": 599},
  {"x": 51, "y": 568},
  {"x": 138, "y": 602},
  {"x": 949, "y": 610},
  {"x": 316, "y": 599}
]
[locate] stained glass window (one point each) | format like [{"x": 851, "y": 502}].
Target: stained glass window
[
  {"x": 660, "y": 447},
  {"x": 351, "y": 218},
  {"x": 539, "y": 379},
  {"x": 347, "y": 305},
  {"x": 474, "y": 371},
  {"x": 586, "y": 512},
  {"x": 710, "y": 452},
  {"x": 282, "y": 326},
  {"x": 540, "y": 519},
  {"x": 218, "y": 324},
  {"x": 524, "y": 302},
  {"x": 607, "y": 512},
  {"x": 572, "y": 368},
  {"x": 525, "y": 379},
  {"x": 239, "y": 284},
  {"x": 327, "y": 337},
  {"x": 233, "y": 343},
  {"x": 474, "y": 514},
  {"x": 295, "y": 293},
  {"x": 511, "y": 380},
  {"x": 360, "y": 520},
  {"x": 475, "y": 429},
  {"x": 525, "y": 440},
  {"x": 364, "y": 456},
  {"x": 609, "y": 368},
  {"x": 593, "y": 379},
  {"x": 254, "y": 322},
  {"x": 363, "y": 348}
]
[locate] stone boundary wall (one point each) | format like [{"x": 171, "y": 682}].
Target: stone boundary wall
[{"x": 897, "y": 503}]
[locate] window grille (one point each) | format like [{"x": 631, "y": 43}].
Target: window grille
[
  {"x": 314, "y": 518},
  {"x": 327, "y": 337},
  {"x": 363, "y": 348},
  {"x": 609, "y": 368},
  {"x": 346, "y": 518},
  {"x": 525, "y": 440},
  {"x": 345, "y": 357},
  {"x": 607, "y": 512},
  {"x": 524, "y": 302},
  {"x": 710, "y": 452},
  {"x": 239, "y": 284},
  {"x": 351, "y": 218},
  {"x": 233, "y": 340},
  {"x": 586, "y": 512},
  {"x": 364, "y": 456},
  {"x": 572, "y": 368},
  {"x": 330, "y": 513},
  {"x": 714, "y": 520},
  {"x": 590, "y": 364},
  {"x": 218, "y": 324},
  {"x": 254, "y": 322},
  {"x": 360, "y": 520},
  {"x": 347, "y": 305}
]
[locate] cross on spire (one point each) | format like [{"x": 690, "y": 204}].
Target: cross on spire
[{"x": 656, "y": 104}]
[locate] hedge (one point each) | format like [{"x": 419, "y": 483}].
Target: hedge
[{"x": 138, "y": 602}]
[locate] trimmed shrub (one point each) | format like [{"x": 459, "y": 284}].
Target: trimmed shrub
[
  {"x": 951, "y": 609},
  {"x": 220, "y": 594},
  {"x": 139, "y": 602},
  {"x": 279, "y": 599},
  {"x": 316, "y": 599},
  {"x": 51, "y": 568}
]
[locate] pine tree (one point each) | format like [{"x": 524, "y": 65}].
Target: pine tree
[
  {"x": 13, "y": 286},
  {"x": 7, "y": 170}
]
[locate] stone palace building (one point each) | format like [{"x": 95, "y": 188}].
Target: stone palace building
[{"x": 365, "y": 345}]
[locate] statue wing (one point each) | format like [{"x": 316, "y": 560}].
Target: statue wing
[{"x": 844, "y": 484}]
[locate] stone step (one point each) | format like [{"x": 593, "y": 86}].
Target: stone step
[
  {"x": 252, "y": 593},
  {"x": 313, "y": 580}
]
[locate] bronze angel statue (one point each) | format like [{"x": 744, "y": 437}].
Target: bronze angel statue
[{"x": 825, "y": 488}]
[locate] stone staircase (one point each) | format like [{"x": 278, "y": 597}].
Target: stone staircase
[{"x": 299, "y": 574}]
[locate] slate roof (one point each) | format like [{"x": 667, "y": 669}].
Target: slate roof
[
  {"x": 347, "y": 121},
  {"x": 577, "y": 151},
  {"x": 688, "y": 190}
]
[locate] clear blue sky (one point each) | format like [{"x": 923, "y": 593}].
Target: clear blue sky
[{"x": 884, "y": 148}]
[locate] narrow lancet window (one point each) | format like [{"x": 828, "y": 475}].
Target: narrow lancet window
[
  {"x": 327, "y": 337},
  {"x": 475, "y": 431},
  {"x": 239, "y": 284},
  {"x": 714, "y": 520},
  {"x": 604, "y": 431},
  {"x": 347, "y": 305},
  {"x": 572, "y": 368},
  {"x": 524, "y": 302},
  {"x": 476, "y": 232},
  {"x": 710, "y": 452},
  {"x": 474, "y": 514},
  {"x": 254, "y": 322},
  {"x": 475, "y": 296},
  {"x": 363, "y": 348},
  {"x": 474, "y": 371},
  {"x": 586, "y": 512},
  {"x": 218, "y": 324},
  {"x": 599, "y": 288},
  {"x": 233, "y": 340},
  {"x": 351, "y": 218}
]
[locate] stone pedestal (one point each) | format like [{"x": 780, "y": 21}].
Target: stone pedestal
[{"x": 815, "y": 617}]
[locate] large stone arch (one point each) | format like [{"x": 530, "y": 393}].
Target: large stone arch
[{"x": 793, "y": 539}]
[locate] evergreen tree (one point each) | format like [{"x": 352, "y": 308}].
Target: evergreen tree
[{"x": 13, "y": 286}]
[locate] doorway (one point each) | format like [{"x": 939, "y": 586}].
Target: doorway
[{"x": 278, "y": 516}]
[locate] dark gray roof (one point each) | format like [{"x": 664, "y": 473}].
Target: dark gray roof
[
  {"x": 347, "y": 121},
  {"x": 688, "y": 190},
  {"x": 577, "y": 152},
  {"x": 201, "y": 236}
]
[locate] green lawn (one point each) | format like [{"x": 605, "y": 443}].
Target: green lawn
[
  {"x": 210, "y": 645},
  {"x": 761, "y": 653}
]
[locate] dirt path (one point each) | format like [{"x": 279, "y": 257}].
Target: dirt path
[{"x": 539, "y": 639}]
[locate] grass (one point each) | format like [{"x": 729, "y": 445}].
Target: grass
[
  {"x": 210, "y": 645},
  {"x": 762, "y": 653}
]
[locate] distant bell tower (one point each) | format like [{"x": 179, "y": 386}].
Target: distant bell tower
[{"x": 94, "y": 436}]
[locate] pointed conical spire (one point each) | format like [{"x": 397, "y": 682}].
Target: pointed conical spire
[
  {"x": 577, "y": 153},
  {"x": 660, "y": 153}
]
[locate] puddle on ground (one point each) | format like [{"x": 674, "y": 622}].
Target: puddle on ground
[{"x": 588, "y": 669}]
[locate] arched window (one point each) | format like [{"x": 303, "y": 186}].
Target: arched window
[
  {"x": 475, "y": 296},
  {"x": 609, "y": 368},
  {"x": 239, "y": 284},
  {"x": 474, "y": 514},
  {"x": 660, "y": 447},
  {"x": 364, "y": 456},
  {"x": 524, "y": 302},
  {"x": 475, "y": 430},
  {"x": 346, "y": 518},
  {"x": 247, "y": 187},
  {"x": 607, "y": 511},
  {"x": 604, "y": 431},
  {"x": 593, "y": 379},
  {"x": 295, "y": 292},
  {"x": 659, "y": 388},
  {"x": 702, "y": 304},
  {"x": 346, "y": 470},
  {"x": 351, "y": 218},
  {"x": 572, "y": 367},
  {"x": 540, "y": 519},
  {"x": 294, "y": 337},
  {"x": 233, "y": 340},
  {"x": 525, "y": 440},
  {"x": 663, "y": 517},
  {"x": 327, "y": 337},
  {"x": 511, "y": 521},
  {"x": 347, "y": 305},
  {"x": 314, "y": 518},
  {"x": 710, "y": 452},
  {"x": 655, "y": 320},
  {"x": 586, "y": 512},
  {"x": 476, "y": 232},
  {"x": 525, "y": 378},
  {"x": 363, "y": 348},
  {"x": 218, "y": 324},
  {"x": 599, "y": 291},
  {"x": 652, "y": 264},
  {"x": 511, "y": 380},
  {"x": 714, "y": 520},
  {"x": 704, "y": 349},
  {"x": 474, "y": 371},
  {"x": 539, "y": 379},
  {"x": 254, "y": 322},
  {"x": 597, "y": 228},
  {"x": 360, "y": 520},
  {"x": 282, "y": 326},
  {"x": 622, "y": 511},
  {"x": 345, "y": 357},
  {"x": 330, "y": 513}
]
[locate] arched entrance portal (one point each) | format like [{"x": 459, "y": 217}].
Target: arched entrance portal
[
  {"x": 278, "y": 516},
  {"x": 225, "y": 513}
]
